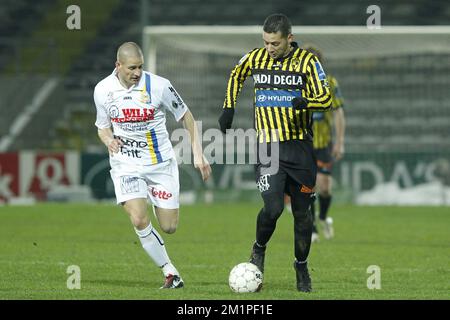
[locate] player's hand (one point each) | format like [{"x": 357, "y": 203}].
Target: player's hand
[
  {"x": 114, "y": 145},
  {"x": 204, "y": 168},
  {"x": 226, "y": 119},
  {"x": 299, "y": 103},
  {"x": 338, "y": 151}
]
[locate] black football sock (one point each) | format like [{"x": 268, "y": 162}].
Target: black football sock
[
  {"x": 303, "y": 225},
  {"x": 302, "y": 234},
  {"x": 324, "y": 203}
]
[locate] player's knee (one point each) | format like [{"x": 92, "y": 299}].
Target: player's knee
[
  {"x": 325, "y": 193},
  {"x": 169, "y": 227},
  {"x": 273, "y": 209},
  {"x": 140, "y": 223},
  {"x": 301, "y": 206},
  {"x": 139, "y": 220}
]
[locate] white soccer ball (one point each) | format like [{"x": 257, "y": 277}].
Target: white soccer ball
[{"x": 245, "y": 277}]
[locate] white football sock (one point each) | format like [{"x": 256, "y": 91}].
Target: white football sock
[
  {"x": 169, "y": 269},
  {"x": 153, "y": 244}
]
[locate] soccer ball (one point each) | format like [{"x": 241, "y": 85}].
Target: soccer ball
[{"x": 245, "y": 277}]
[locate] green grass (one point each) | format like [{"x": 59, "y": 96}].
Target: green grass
[{"x": 411, "y": 245}]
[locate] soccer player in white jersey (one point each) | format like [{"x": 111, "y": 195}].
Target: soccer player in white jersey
[{"x": 131, "y": 115}]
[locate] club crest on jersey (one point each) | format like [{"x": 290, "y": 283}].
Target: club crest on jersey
[
  {"x": 145, "y": 97},
  {"x": 295, "y": 62}
]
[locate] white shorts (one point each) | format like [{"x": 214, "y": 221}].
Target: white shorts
[{"x": 158, "y": 183}]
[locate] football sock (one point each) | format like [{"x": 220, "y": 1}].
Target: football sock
[
  {"x": 259, "y": 248},
  {"x": 153, "y": 244},
  {"x": 302, "y": 234},
  {"x": 300, "y": 263},
  {"x": 303, "y": 225},
  {"x": 324, "y": 206},
  {"x": 169, "y": 268}
]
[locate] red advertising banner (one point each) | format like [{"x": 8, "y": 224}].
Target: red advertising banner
[
  {"x": 9, "y": 176},
  {"x": 33, "y": 174}
]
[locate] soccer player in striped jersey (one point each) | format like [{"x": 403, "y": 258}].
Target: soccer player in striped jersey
[
  {"x": 329, "y": 134},
  {"x": 131, "y": 120},
  {"x": 290, "y": 84}
]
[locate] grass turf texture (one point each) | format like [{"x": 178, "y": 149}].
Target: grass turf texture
[{"x": 38, "y": 243}]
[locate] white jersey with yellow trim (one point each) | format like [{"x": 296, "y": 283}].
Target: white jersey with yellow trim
[{"x": 138, "y": 117}]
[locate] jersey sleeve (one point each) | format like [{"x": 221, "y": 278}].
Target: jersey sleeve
[
  {"x": 173, "y": 102},
  {"x": 103, "y": 120},
  {"x": 319, "y": 95},
  {"x": 237, "y": 78}
]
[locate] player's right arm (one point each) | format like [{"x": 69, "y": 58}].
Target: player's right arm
[
  {"x": 234, "y": 85},
  {"x": 103, "y": 123},
  {"x": 107, "y": 137}
]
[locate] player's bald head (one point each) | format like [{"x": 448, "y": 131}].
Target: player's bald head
[{"x": 127, "y": 51}]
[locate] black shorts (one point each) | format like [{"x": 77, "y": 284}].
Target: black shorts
[
  {"x": 297, "y": 166},
  {"x": 324, "y": 160}
]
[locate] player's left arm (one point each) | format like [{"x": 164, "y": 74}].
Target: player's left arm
[
  {"x": 173, "y": 102},
  {"x": 200, "y": 162},
  {"x": 318, "y": 95}
]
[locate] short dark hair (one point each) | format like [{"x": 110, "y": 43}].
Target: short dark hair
[{"x": 278, "y": 22}]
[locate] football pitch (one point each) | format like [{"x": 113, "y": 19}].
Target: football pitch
[{"x": 410, "y": 245}]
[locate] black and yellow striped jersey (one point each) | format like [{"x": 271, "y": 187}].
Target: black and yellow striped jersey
[
  {"x": 277, "y": 83},
  {"x": 323, "y": 121}
]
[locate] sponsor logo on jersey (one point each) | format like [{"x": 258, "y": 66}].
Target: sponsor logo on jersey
[
  {"x": 133, "y": 143},
  {"x": 277, "y": 65},
  {"x": 306, "y": 189},
  {"x": 177, "y": 97},
  {"x": 135, "y": 115},
  {"x": 320, "y": 71},
  {"x": 160, "y": 194},
  {"x": 278, "y": 79},
  {"x": 275, "y": 98},
  {"x": 263, "y": 183},
  {"x": 275, "y": 79}
]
